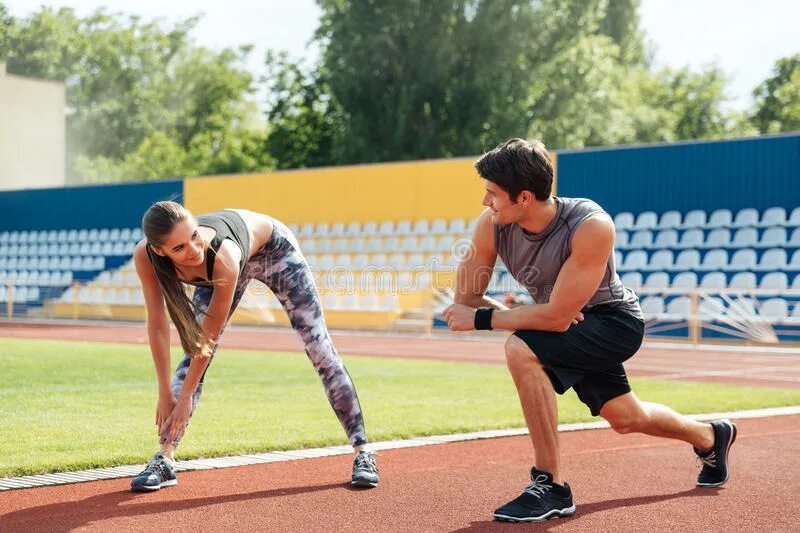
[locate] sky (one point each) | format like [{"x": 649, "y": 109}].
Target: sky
[{"x": 743, "y": 37}]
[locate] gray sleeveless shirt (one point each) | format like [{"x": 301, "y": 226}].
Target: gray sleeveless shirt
[{"x": 535, "y": 259}]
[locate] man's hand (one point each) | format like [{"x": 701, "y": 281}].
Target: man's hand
[{"x": 459, "y": 317}]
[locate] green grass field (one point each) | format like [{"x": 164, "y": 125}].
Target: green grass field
[{"x": 70, "y": 406}]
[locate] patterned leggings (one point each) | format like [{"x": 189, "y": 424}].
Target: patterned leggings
[{"x": 280, "y": 265}]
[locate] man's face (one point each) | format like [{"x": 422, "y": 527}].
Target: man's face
[{"x": 504, "y": 211}]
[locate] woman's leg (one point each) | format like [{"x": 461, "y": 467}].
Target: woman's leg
[{"x": 287, "y": 274}]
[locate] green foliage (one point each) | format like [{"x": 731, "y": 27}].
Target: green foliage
[{"x": 777, "y": 105}]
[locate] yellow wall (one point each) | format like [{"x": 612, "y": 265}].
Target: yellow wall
[
  {"x": 443, "y": 188},
  {"x": 447, "y": 188}
]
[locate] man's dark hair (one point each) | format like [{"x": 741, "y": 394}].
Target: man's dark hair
[{"x": 518, "y": 165}]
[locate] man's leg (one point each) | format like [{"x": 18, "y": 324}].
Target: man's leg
[
  {"x": 627, "y": 414},
  {"x": 539, "y": 405}
]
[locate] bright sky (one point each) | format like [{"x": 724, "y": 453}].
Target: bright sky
[{"x": 744, "y": 37}]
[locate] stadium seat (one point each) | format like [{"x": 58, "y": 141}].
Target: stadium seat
[
  {"x": 125, "y": 234},
  {"x": 714, "y": 260},
  {"x": 386, "y": 228},
  {"x": 685, "y": 280},
  {"x": 721, "y": 218},
  {"x": 623, "y": 220},
  {"x": 772, "y": 238},
  {"x": 642, "y": 239},
  {"x": 409, "y": 244},
  {"x": 679, "y": 308},
  {"x": 710, "y": 308},
  {"x": 794, "y": 218},
  {"x": 322, "y": 230},
  {"x": 646, "y": 220},
  {"x": 652, "y": 307},
  {"x": 657, "y": 280},
  {"x": 743, "y": 280},
  {"x": 397, "y": 261},
  {"x": 661, "y": 260},
  {"x": 439, "y": 226},
  {"x": 670, "y": 220},
  {"x": 421, "y": 227},
  {"x": 390, "y": 302},
  {"x": 427, "y": 244},
  {"x": 354, "y": 230},
  {"x": 744, "y": 259},
  {"x": 794, "y": 241},
  {"x": 357, "y": 245},
  {"x": 391, "y": 244},
  {"x": 773, "y": 259},
  {"x": 632, "y": 280},
  {"x": 457, "y": 227},
  {"x": 445, "y": 243},
  {"x": 369, "y": 302},
  {"x": 136, "y": 234},
  {"x": 93, "y": 235},
  {"x": 369, "y": 229},
  {"x": 326, "y": 262},
  {"x": 337, "y": 230},
  {"x": 775, "y": 281},
  {"x": 746, "y": 217},
  {"x": 635, "y": 260},
  {"x": 415, "y": 261},
  {"x": 403, "y": 227},
  {"x": 103, "y": 235},
  {"x": 339, "y": 245},
  {"x": 774, "y": 216},
  {"x": 379, "y": 260},
  {"x": 774, "y": 310},
  {"x": 306, "y": 230},
  {"x": 718, "y": 238},
  {"x": 667, "y": 238},
  {"x": 360, "y": 261},
  {"x": 745, "y": 238},
  {"x": 794, "y": 264},
  {"x": 713, "y": 280},
  {"x": 617, "y": 258},
  {"x": 621, "y": 240}
]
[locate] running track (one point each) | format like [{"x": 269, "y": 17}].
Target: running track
[{"x": 621, "y": 483}]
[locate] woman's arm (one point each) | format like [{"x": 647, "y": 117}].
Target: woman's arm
[
  {"x": 226, "y": 275},
  {"x": 157, "y": 324}
]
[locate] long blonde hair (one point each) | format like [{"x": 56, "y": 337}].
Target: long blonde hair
[{"x": 157, "y": 223}]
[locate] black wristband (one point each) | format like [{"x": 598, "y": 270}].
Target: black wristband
[{"x": 483, "y": 317}]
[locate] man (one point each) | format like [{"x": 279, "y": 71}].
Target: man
[{"x": 584, "y": 323}]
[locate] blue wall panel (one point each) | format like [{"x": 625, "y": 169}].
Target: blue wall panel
[
  {"x": 98, "y": 206},
  {"x": 758, "y": 172}
]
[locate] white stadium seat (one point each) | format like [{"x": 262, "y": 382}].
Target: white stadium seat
[
  {"x": 623, "y": 220},
  {"x": 714, "y": 260},
  {"x": 744, "y": 259},
  {"x": 646, "y": 220},
  {"x": 692, "y": 238},
  {"x": 713, "y": 280},
  {"x": 718, "y": 238},
  {"x": 773, "y": 259},
  {"x": 721, "y": 218},
  {"x": 772, "y": 237},
  {"x": 669, "y": 220},
  {"x": 746, "y": 217},
  {"x": 775, "y": 281},
  {"x": 667, "y": 238},
  {"x": 774, "y": 216},
  {"x": 743, "y": 280},
  {"x": 685, "y": 280},
  {"x": 745, "y": 238}
]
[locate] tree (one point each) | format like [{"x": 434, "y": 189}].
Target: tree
[
  {"x": 777, "y": 99},
  {"x": 134, "y": 88},
  {"x": 303, "y": 121}
]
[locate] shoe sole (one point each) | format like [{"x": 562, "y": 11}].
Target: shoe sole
[
  {"x": 144, "y": 488},
  {"x": 727, "y": 452},
  {"x": 363, "y": 483},
  {"x": 555, "y": 513}
]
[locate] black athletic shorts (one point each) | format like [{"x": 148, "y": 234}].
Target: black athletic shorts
[{"x": 588, "y": 356}]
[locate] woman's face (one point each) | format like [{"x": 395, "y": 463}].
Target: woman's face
[{"x": 184, "y": 245}]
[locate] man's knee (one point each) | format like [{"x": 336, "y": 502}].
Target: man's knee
[
  {"x": 624, "y": 414},
  {"x": 519, "y": 356}
]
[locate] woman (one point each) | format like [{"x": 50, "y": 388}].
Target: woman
[{"x": 220, "y": 253}]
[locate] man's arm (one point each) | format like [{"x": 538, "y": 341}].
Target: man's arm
[
  {"x": 475, "y": 270},
  {"x": 577, "y": 281}
]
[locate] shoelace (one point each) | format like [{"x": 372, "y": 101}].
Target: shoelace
[
  {"x": 366, "y": 461},
  {"x": 538, "y": 486},
  {"x": 155, "y": 464},
  {"x": 709, "y": 460}
]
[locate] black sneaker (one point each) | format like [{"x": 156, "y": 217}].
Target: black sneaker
[
  {"x": 159, "y": 472},
  {"x": 365, "y": 471},
  {"x": 715, "y": 461},
  {"x": 539, "y": 501}
]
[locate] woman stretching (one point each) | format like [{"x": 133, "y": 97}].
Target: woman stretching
[{"x": 220, "y": 253}]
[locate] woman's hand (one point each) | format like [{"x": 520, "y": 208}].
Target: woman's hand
[
  {"x": 166, "y": 403},
  {"x": 174, "y": 426}
]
